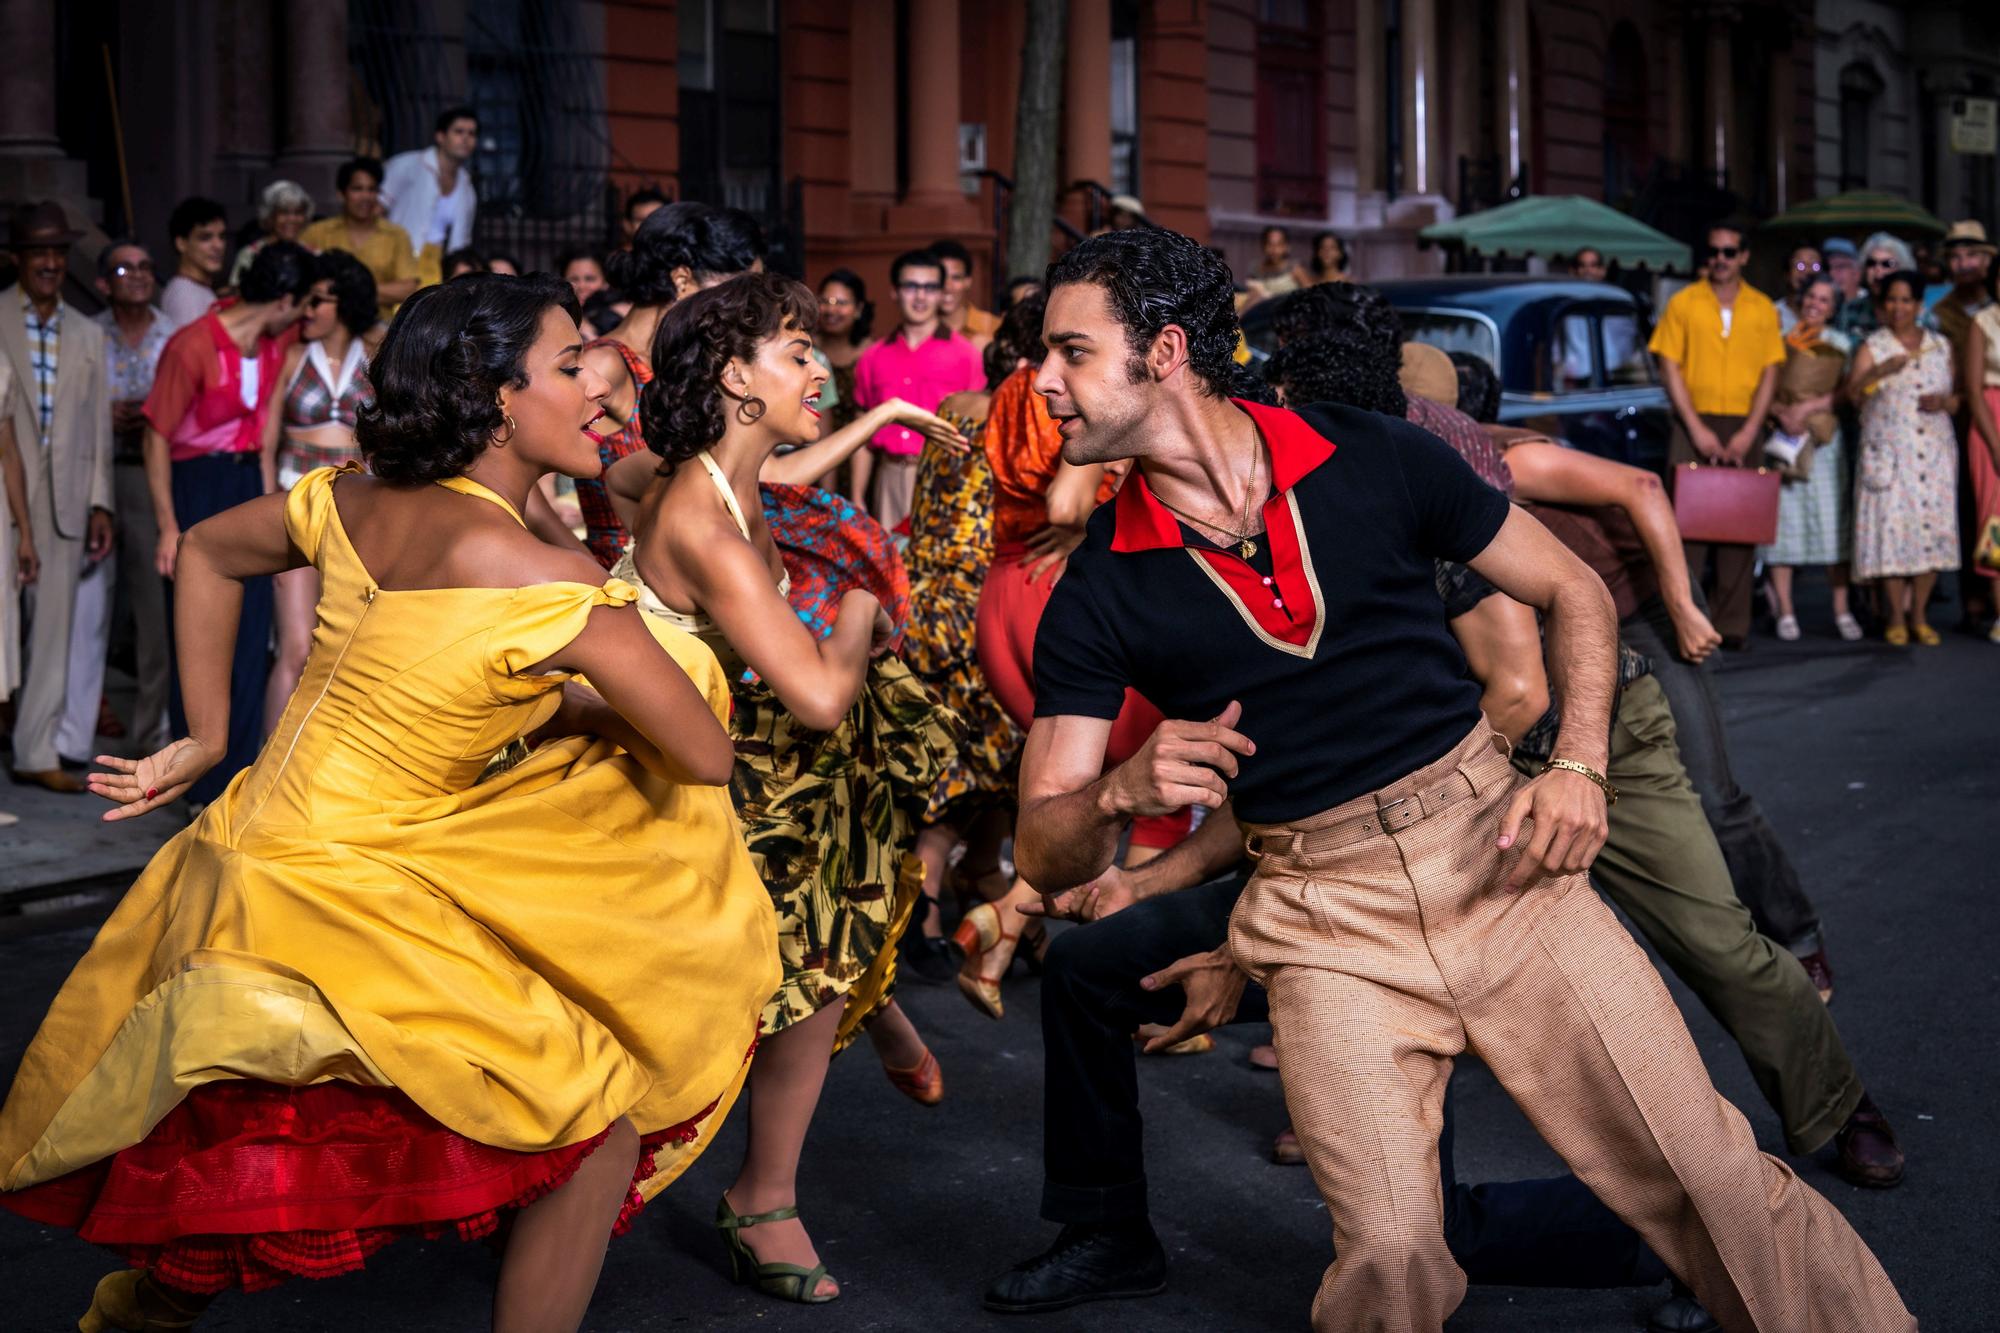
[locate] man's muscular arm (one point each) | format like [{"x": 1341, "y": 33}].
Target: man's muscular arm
[
  {"x": 1070, "y": 817},
  {"x": 1556, "y": 475},
  {"x": 1200, "y": 857},
  {"x": 1526, "y": 562}
]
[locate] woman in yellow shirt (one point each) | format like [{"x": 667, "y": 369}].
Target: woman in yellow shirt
[{"x": 361, "y": 230}]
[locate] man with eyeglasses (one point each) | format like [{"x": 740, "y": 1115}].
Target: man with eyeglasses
[
  {"x": 135, "y": 333},
  {"x": 1719, "y": 350},
  {"x": 921, "y": 362}
]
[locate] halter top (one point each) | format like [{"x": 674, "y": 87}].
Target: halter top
[
  {"x": 696, "y": 622},
  {"x": 467, "y": 486},
  {"x": 321, "y": 396}
]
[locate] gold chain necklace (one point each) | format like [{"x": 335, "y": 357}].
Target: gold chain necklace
[{"x": 1245, "y": 547}]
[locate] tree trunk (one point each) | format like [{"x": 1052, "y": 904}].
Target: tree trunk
[{"x": 1037, "y": 122}]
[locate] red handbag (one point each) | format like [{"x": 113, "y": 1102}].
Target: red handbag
[{"x": 1736, "y": 506}]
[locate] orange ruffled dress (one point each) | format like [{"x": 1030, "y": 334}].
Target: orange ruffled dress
[{"x": 366, "y": 994}]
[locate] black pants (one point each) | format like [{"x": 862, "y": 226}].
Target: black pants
[
  {"x": 1529, "y": 1233},
  {"x": 203, "y": 488},
  {"x": 1763, "y": 873}
]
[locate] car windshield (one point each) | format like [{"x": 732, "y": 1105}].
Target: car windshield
[
  {"x": 1598, "y": 347},
  {"x": 1452, "y": 332}
]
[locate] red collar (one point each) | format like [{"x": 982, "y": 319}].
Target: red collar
[{"x": 1142, "y": 523}]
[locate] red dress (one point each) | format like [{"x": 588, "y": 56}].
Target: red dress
[
  {"x": 1025, "y": 450},
  {"x": 606, "y": 535}
]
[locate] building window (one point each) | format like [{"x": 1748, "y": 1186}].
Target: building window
[
  {"x": 729, "y": 105},
  {"x": 1860, "y": 91},
  {"x": 1125, "y": 97},
  {"x": 1291, "y": 109},
  {"x": 1627, "y": 154}
]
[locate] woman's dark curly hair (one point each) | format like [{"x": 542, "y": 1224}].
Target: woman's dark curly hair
[
  {"x": 1478, "y": 387},
  {"x": 1019, "y": 338},
  {"x": 684, "y": 409},
  {"x": 864, "y": 309},
  {"x": 1154, "y": 277},
  {"x": 1342, "y": 363},
  {"x": 438, "y": 375},
  {"x": 354, "y": 301},
  {"x": 708, "y": 242}
]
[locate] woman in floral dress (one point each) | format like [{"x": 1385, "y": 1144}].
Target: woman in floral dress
[{"x": 1906, "y": 488}]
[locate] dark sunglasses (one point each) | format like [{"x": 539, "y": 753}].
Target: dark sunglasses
[
  {"x": 1805, "y": 268},
  {"x": 127, "y": 270},
  {"x": 1724, "y": 251},
  {"x": 1881, "y": 263}
]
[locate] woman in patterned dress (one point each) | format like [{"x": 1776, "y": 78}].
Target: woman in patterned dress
[
  {"x": 1906, "y": 505},
  {"x": 1815, "y": 517},
  {"x": 951, "y": 547},
  {"x": 838, "y": 745}
]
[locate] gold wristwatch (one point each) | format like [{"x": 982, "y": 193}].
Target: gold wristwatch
[{"x": 1603, "y": 785}]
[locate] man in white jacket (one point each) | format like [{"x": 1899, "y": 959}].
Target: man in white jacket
[{"x": 428, "y": 192}]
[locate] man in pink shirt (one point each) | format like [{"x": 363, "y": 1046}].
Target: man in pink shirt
[{"x": 921, "y": 362}]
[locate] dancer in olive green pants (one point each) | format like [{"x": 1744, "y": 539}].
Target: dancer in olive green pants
[{"x": 1663, "y": 869}]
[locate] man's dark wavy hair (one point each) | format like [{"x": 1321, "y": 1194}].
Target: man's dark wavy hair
[
  {"x": 439, "y": 372},
  {"x": 1154, "y": 277},
  {"x": 1327, "y": 304},
  {"x": 684, "y": 410},
  {"x": 1342, "y": 363},
  {"x": 705, "y": 240},
  {"x": 1478, "y": 387},
  {"x": 281, "y": 269}
]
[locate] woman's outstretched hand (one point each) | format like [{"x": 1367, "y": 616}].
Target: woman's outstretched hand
[{"x": 136, "y": 786}]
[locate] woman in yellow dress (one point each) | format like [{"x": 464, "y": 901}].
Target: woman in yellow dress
[
  {"x": 837, "y": 743},
  {"x": 366, "y": 994}
]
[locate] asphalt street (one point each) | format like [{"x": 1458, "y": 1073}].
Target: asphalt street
[{"x": 1881, "y": 768}]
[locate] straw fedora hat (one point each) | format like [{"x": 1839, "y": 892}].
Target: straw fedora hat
[
  {"x": 1970, "y": 235},
  {"x": 1429, "y": 373}
]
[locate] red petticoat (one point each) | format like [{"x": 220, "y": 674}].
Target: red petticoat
[{"x": 246, "y": 1184}]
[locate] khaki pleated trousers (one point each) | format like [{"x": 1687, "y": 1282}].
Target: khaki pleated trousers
[{"x": 1387, "y": 954}]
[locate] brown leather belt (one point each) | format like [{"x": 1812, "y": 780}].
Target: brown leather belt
[{"x": 1395, "y": 808}]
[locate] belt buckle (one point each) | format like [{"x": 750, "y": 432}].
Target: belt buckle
[{"x": 1393, "y": 819}]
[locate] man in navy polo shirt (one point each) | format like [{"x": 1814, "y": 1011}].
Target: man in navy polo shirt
[{"x": 1270, "y": 574}]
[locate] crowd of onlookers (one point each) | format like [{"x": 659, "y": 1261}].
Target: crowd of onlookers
[
  {"x": 1870, "y": 385},
  {"x": 229, "y": 365}
]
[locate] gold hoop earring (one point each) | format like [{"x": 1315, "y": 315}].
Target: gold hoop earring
[{"x": 503, "y": 441}]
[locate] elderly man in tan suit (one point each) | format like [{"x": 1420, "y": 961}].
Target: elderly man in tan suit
[{"x": 62, "y": 425}]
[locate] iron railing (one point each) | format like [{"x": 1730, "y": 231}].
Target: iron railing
[{"x": 1003, "y": 202}]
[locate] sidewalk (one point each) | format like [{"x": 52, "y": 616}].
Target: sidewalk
[{"x": 62, "y": 859}]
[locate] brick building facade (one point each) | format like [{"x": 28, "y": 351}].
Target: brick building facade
[{"x": 857, "y": 128}]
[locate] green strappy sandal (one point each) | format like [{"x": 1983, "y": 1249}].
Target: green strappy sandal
[{"x": 788, "y": 1282}]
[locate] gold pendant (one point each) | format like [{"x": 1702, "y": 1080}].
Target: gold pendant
[{"x": 1247, "y": 549}]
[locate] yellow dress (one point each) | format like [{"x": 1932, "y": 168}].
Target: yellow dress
[{"x": 526, "y": 958}]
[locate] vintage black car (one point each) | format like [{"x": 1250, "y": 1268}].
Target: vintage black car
[{"x": 1571, "y": 355}]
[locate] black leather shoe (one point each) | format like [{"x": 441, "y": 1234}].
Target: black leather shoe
[
  {"x": 1087, "y": 1263},
  {"x": 1681, "y": 1313},
  {"x": 1865, "y": 1151}
]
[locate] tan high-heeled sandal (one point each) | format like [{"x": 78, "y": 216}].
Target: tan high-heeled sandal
[
  {"x": 981, "y": 935},
  {"x": 922, "y": 1084}
]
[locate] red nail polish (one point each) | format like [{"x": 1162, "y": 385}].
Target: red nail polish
[{"x": 151, "y": 792}]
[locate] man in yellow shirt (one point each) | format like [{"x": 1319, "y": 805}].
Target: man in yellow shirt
[
  {"x": 361, "y": 229},
  {"x": 1719, "y": 350}
]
